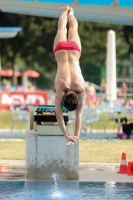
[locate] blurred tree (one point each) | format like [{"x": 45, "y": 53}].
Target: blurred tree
[
  {"x": 33, "y": 47},
  {"x": 128, "y": 36},
  {"x": 94, "y": 37}
]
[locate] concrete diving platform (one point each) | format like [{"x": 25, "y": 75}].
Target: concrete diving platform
[{"x": 46, "y": 152}]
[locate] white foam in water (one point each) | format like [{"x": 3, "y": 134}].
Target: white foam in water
[
  {"x": 54, "y": 179},
  {"x": 56, "y": 192}
]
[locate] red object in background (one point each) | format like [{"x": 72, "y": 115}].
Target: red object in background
[
  {"x": 2, "y": 72},
  {"x": 22, "y": 98},
  {"x": 123, "y": 165},
  {"x": 5, "y": 168},
  {"x": 16, "y": 73},
  {"x": 31, "y": 73},
  {"x": 9, "y": 72},
  {"x": 4, "y": 101},
  {"x": 130, "y": 168}
]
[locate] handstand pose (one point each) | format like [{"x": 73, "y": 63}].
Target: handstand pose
[{"x": 69, "y": 82}]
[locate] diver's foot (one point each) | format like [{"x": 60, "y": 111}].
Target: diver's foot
[
  {"x": 70, "y": 12},
  {"x": 65, "y": 8},
  {"x": 71, "y": 9}
]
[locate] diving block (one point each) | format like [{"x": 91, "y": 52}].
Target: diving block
[
  {"x": 46, "y": 151},
  {"x": 48, "y": 155},
  {"x": 44, "y": 121}
]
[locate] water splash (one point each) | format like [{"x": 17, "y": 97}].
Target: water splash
[
  {"x": 56, "y": 193},
  {"x": 55, "y": 181}
]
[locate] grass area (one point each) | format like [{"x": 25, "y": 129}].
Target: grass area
[
  {"x": 89, "y": 151},
  {"x": 12, "y": 150},
  {"x": 6, "y": 121},
  {"x": 105, "y": 151}
]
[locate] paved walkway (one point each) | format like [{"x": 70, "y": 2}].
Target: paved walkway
[
  {"x": 98, "y": 172},
  {"x": 95, "y": 172}
]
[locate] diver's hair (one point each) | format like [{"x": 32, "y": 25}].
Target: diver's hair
[{"x": 71, "y": 101}]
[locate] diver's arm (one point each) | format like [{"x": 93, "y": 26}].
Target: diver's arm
[
  {"x": 79, "y": 113},
  {"x": 59, "y": 116}
]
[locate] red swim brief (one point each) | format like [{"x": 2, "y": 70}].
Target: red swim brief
[{"x": 67, "y": 45}]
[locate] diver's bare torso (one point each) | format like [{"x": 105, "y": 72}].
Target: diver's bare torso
[{"x": 69, "y": 76}]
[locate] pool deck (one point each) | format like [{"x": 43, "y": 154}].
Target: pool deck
[
  {"x": 97, "y": 172},
  {"x": 90, "y": 172}
]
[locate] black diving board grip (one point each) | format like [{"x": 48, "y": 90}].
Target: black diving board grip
[{"x": 48, "y": 118}]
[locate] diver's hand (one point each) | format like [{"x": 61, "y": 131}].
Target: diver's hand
[{"x": 71, "y": 140}]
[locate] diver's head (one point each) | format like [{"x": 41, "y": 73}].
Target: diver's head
[{"x": 71, "y": 101}]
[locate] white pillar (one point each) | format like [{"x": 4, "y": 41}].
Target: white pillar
[{"x": 111, "y": 90}]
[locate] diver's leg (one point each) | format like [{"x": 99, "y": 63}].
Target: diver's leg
[
  {"x": 61, "y": 31},
  {"x": 73, "y": 28}
]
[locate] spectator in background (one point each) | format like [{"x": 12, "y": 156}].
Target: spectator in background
[
  {"x": 103, "y": 89},
  {"x": 103, "y": 86},
  {"x": 91, "y": 96},
  {"x": 122, "y": 92},
  {"x": 30, "y": 87},
  {"x": 86, "y": 89},
  {"x": 128, "y": 104},
  {"x": 1, "y": 86},
  {"x": 17, "y": 88},
  {"x": 6, "y": 84}
]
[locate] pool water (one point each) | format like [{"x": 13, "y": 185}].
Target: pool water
[{"x": 65, "y": 190}]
